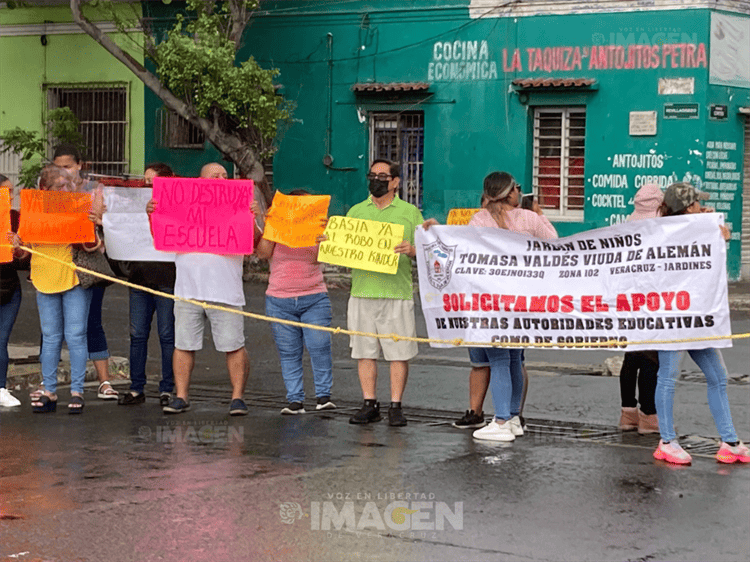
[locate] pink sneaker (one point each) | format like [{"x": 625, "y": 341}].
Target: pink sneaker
[
  {"x": 672, "y": 452},
  {"x": 728, "y": 454}
]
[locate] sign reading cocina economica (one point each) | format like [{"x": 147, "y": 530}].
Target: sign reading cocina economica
[
  {"x": 362, "y": 244},
  {"x": 658, "y": 279},
  {"x": 204, "y": 215}
]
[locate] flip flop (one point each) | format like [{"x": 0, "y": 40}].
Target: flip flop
[
  {"x": 76, "y": 404},
  {"x": 47, "y": 405},
  {"x": 108, "y": 393}
]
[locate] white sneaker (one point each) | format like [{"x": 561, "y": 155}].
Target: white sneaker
[
  {"x": 7, "y": 399},
  {"x": 495, "y": 431},
  {"x": 515, "y": 426}
]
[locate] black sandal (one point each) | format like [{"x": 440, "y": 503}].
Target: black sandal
[
  {"x": 76, "y": 404},
  {"x": 46, "y": 404},
  {"x": 129, "y": 399}
]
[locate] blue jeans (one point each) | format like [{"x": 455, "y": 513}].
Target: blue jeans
[
  {"x": 64, "y": 315},
  {"x": 8, "y": 314},
  {"x": 506, "y": 381},
  {"x": 97, "y": 341},
  {"x": 310, "y": 309},
  {"x": 478, "y": 357},
  {"x": 712, "y": 364},
  {"x": 142, "y": 308}
]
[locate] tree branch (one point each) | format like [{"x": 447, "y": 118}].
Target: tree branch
[
  {"x": 229, "y": 143},
  {"x": 240, "y": 17},
  {"x": 149, "y": 79}
]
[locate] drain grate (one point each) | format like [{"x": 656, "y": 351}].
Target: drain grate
[{"x": 538, "y": 429}]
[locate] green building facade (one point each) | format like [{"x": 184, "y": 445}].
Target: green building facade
[
  {"x": 46, "y": 61},
  {"x": 582, "y": 102}
]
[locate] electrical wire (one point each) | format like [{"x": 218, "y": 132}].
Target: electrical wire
[{"x": 359, "y": 56}]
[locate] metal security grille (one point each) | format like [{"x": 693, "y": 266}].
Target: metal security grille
[
  {"x": 103, "y": 113},
  {"x": 399, "y": 137},
  {"x": 10, "y": 166},
  {"x": 176, "y": 132},
  {"x": 559, "y": 154}
]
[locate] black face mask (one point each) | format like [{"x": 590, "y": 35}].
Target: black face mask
[{"x": 378, "y": 188}]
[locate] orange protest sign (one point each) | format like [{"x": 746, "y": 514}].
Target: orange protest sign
[
  {"x": 55, "y": 217},
  {"x": 6, "y": 252},
  {"x": 296, "y": 220},
  {"x": 461, "y": 216}
]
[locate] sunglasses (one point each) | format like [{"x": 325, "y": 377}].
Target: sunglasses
[{"x": 382, "y": 177}]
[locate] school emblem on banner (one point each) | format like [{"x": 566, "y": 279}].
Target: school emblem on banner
[{"x": 439, "y": 258}]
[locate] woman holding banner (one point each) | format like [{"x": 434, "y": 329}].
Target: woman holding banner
[
  {"x": 159, "y": 276},
  {"x": 297, "y": 292},
  {"x": 639, "y": 368},
  {"x": 683, "y": 199},
  {"x": 10, "y": 301},
  {"x": 63, "y": 308},
  {"x": 502, "y": 195},
  {"x": 69, "y": 158}
]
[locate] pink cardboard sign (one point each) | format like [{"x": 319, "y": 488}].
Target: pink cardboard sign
[{"x": 210, "y": 216}]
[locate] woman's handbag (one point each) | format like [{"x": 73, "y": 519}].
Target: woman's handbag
[{"x": 94, "y": 261}]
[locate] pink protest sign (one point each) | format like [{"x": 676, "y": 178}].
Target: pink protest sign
[{"x": 210, "y": 216}]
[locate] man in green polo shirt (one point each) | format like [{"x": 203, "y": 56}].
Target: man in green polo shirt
[{"x": 382, "y": 303}]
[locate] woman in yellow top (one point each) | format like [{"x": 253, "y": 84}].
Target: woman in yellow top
[
  {"x": 63, "y": 309},
  {"x": 68, "y": 157}
]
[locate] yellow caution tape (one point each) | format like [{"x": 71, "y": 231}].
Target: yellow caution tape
[{"x": 457, "y": 342}]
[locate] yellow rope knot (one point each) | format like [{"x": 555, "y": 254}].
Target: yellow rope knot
[
  {"x": 395, "y": 337},
  {"x": 457, "y": 342},
  {"x": 337, "y": 330}
]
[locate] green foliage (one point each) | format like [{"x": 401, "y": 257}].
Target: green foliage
[
  {"x": 196, "y": 60},
  {"x": 61, "y": 127},
  {"x": 197, "y": 63}
]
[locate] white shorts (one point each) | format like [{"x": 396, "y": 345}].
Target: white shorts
[
  {"x": 227, "y": 328},
  {"x": 382, "y": 316}
]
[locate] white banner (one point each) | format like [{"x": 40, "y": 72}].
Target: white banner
[
  {"x": 654, "y": 280},
  {"x": 126, "y": 230}
]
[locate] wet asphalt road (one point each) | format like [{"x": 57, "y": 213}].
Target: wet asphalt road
[{"x": 132, "y": 484}]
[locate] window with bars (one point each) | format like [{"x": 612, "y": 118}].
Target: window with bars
[
  {"x": 559, "y": 151},
  {"x": 176, "y": 132},
  {"x": 399, "y": 137},
  {"x": 102, "y": 110}
]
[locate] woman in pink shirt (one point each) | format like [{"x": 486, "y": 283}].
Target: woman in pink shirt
[
  {"x": 297, "y": 291},
  {"x": 501, "y": 196},
  {"x": 502, "y": 210}
]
